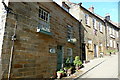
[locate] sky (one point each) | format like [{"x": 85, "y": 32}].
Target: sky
[{"x": 102, "y": 8}]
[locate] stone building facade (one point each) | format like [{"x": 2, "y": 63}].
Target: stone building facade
[
  {"x": 112, "y": 35},
  {"x": 92, "y": 31},
  {"x": 37, "y": 39}
]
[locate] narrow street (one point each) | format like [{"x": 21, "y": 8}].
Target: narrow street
[
  {"x": 0, "y": 70},
  {"x": 108, "y": 69}
]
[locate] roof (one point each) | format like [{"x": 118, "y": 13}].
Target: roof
[
  {"x": 96, "y": 15},
  {"x": 65, "y": 11}
]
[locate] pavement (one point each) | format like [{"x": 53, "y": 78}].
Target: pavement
[
  {"x": 0, "y": 70},
  {"x": 88, "y": 67},
  {"x": 108, "y": 69}
]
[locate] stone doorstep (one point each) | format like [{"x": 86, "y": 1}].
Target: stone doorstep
[{"x": 82, "y": 71}]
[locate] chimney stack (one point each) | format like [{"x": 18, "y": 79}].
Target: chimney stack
[
  {"x": 80, "y": 4},
  {"x": 91, "y": 9},
  {"x": 107, "y": 16}
]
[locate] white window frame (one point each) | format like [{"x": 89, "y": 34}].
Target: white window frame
[
  {"x": 69, "y": 32},
  {"x": 113, "y": 31},
  {"x": 110, "y": 30},
  {"x": 90, "y": 44},
  {"x": 117, "y": 34},
  {"x": 111, "y": 43},
  {"x": 101, "y": 27},
  {"x": 94, "y": 23},
  {"x": 44, "y": 17},
  {"x": 114, "y": 44},
  {"x": 87, "y": 19},
  {"x": 101, "y": 47}
]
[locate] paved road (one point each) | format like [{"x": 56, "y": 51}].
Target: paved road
[
  {"x": 0, "y": 69},
  {"x": 108, "y": 69}
]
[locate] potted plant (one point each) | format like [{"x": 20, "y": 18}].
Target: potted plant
[
  {"x": 68, "y": 67},
  {"x": 77, "y": 62},
  {"x": 60, "y": 73},
  {"x": 69, "y": 71}
]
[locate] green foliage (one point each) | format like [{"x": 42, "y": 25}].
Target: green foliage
[
  {"x": 77, "y": 61},
  {"x": 112, "y": 51},
  {"x": 61, "y": 71},
  {"x": 68, "y": 62}
]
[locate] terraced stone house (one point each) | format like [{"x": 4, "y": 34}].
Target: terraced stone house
[
  {"x": 112, "y": 35},
  {"x": 38, "y": 38},
  {"x": 94, "y": 32}
]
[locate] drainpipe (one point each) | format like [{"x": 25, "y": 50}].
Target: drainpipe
[
  {"x": 80, "y": 41},
  {"x": 12, "y": 49},
  {"x": 13, "y": 38},
  {"x": 106, "y": 33}
]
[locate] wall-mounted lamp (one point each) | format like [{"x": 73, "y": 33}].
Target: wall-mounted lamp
[{"x": 52, "y": 50}]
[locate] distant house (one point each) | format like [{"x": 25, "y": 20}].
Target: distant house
[
  {"x": 112, "y": 35},
  {"x": 94, "y": 31}
]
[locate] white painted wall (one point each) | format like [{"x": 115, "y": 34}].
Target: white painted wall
[{"x": 2, "y": 23}]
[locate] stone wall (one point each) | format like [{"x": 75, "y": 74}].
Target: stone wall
[
  {"x": 88, "y": 34},
  {"x": 31, "y": 57}
]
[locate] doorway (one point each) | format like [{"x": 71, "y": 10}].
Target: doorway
[
  {"x": 83, "y": 56},
  {"x": 59, "y": 57},
  {"x": 118, "y": 47},
  {"x": 95, "y": 50}
]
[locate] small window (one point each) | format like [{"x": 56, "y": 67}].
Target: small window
[
  {"x": 87, "y": 19},
  {"x": 114, "y": 44},
  {"x": 113, "y": 32},
  {"x": 70, "y": 53},
  {"x": 100, "y": 27},
  {"x": 90, "y": 44},
  {"x": 44, "y": 15},
  {"x": 111, "y": 43},
  {"x": 69, "y": 32},
  {"x": 110, "y": 30},
  {"x": 117, "y": 34},
  {"x": 44, "y": 24},
  {"x": 101, "y": 47},
  {"x": 94, "y": 24}
]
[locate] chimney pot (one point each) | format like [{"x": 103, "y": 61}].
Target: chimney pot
[
  {"x": 91, "y": 9},
  {"x": 107, "y": 16}
]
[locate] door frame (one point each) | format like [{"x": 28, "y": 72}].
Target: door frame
[
  {"x": 62, "y": 55},
  {"x": 84, "y": 52},
  {"x": 95, "y": 51}
]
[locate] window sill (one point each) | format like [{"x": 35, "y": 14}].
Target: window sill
[
  {"x": 73, "y": 41},
  {"x": 112, "y": 36},
  {"x": 101, "y": 32},
  {"x": 45, "y": 32},
  {"x": 90, "y": 50},
  {"x": 88, "y": 25},
  {"x": 96, "y": 29}
]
